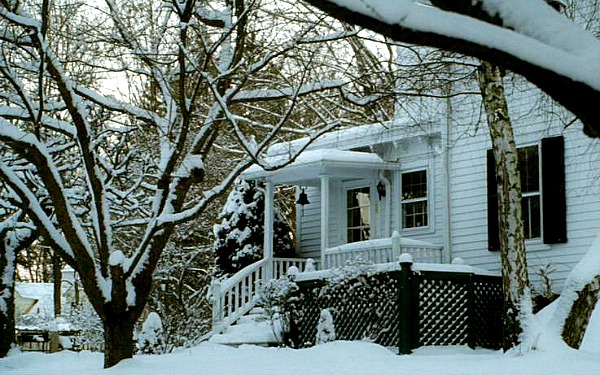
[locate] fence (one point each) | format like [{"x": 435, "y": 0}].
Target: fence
[{"x": 407, "y": 308}]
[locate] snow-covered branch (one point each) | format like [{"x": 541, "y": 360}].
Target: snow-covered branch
[{"x": 533, "y": 40}]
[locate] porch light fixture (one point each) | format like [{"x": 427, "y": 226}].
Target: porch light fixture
[
  {"x": 302, "y": 199},
  {"x": 381, "y": 190}
]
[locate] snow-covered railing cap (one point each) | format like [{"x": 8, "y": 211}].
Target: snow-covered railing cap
[{"x": 405, "y": 258}]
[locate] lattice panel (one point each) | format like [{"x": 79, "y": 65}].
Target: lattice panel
[
  {"x": 447, "y": 308},
  {"x": 486, "y": 323},
  {"x": 361, "y": 310},
  {"x": 305, "y": 316},
  {"x": 373, "y": 313},
  {"x": 443, "y": 312}
]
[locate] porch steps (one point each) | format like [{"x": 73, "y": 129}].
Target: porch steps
[{"x": 254, "y": 328}]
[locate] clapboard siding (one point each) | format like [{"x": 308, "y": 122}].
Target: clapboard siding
[{"x": 533, "y": 117}]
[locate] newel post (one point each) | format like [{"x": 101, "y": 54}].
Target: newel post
[
  {"x": 404, "y": 301},
  {"x": 217, "y": 304}
]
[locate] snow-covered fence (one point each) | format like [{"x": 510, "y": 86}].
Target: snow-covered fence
[
  {"x": 407, "y": 305},
  {"x": 383, "y": 251}
]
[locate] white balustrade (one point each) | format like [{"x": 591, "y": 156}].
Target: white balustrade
[
  {"x": 383, "y": 251},
  {"x": 235, "y": 296}
]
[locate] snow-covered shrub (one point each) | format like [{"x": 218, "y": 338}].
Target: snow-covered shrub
[
  {"x": 325, "y": 327},
  {"x": 150, "y": 338},
  {"x": 277, "y": 299},
  {"x": 544, "y": 294},
  {"x": 179, "y": 291},
  {"x": 239, "y": 236},
  {"x": 91, "y": 332}
]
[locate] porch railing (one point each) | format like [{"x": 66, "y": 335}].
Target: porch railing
[
  {"x": 383, "y": 251},
  {"x": 235, "y": 296}
]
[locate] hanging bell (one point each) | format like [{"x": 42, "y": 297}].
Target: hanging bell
[{"x": 302, "y": 198}]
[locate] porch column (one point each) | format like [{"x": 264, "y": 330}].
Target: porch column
[
  {"x": 268, "y": 236},
  {"x": 324, "y": 219}
]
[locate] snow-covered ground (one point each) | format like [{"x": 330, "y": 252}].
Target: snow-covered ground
[
  {"x": 339, "y": 357},
  {"x": 551, "y": 356}
]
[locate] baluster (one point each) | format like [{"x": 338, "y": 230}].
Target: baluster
[
  {"x": 217, "y": 302},
  {"x": 238, "y": 301},
  {"x": 244, "y": 296},
  {"x": 229, "y": 302}
]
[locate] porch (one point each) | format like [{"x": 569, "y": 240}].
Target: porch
[
  {"x": 369, "y": 230},
  {"x": 234, "y": 297}
]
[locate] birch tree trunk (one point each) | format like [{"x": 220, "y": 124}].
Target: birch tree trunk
[{"x": 512, "y": 239}]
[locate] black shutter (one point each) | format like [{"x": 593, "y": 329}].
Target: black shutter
[
  {"x": 554, "y": 205},
  {"x": 492, "y": 204}
]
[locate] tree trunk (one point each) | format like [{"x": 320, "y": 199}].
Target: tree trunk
[
  {"x": 57, "y": 282},
  {"x": 7, "y": 317},
  {"x": 512, "y": 239},
  {"x": 118, "y": 339},
  {"x": 580, "y": 313}
]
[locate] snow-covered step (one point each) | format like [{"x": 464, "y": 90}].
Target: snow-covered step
[{"x": 255, "y": 329}]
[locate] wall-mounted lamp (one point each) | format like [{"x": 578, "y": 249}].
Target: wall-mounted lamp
[
  {"x": 302, "y": 199},
  {"x": 381, "y": 190}
]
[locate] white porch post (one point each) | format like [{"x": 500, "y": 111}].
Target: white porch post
[
  {"x": 268, "y": 239},
  {"x": 324, "y": 219}
]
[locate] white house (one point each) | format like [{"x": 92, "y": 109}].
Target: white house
[
  {"x": 425, "y": 187},
  {"x": 430, "y": 182}
]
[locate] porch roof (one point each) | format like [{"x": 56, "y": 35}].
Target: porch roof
[{"x": 310, "y": 165}]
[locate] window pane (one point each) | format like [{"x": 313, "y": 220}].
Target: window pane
[
  {"x": 529, "y": 169},
  {"x": 358, "y": 203},
  {"x": 414, "y": 214},
  {"x": 531, "y": 216},
  {"x": 414, "y": 185}
]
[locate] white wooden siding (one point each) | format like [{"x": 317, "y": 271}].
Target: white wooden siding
[{"x": 534, "y": 118}]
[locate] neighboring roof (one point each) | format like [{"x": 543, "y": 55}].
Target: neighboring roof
[
  {"x": 311, "y": 164},
  {"x": 42, "y": 294}
]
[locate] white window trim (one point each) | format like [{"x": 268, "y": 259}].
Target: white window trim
[
  {"x": 414, "y": 200},
  {"x": 540, "y": 239},
  {"x": 421, "y": 162}
]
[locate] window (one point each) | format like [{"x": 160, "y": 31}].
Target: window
[
  {"x": 358, "y": 203},
  {"x": 529, "y": 168},
  {"x": 414, "y": 199},
  {"x": 543, "y": 196}
]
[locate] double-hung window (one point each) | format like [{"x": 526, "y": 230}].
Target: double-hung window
[
  {"x": 414, "y": 199},
  {"x": 529, "y": 169},
  {"x": 542, "y": 169},
  {"x": 358, "y": 205}
]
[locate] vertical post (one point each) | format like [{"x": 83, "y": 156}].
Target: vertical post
[
  {"x": 404, "y": 301},
  {"x": 395, "y": 245},
  {"x": 471, "y": 331},
  {"x": 268, "y": 239},
  {"x": 217, "y": 304},
  {"x": 324, "y": 219}
]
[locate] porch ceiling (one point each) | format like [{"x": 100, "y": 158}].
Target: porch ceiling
[{"x": 312, "y": 164}]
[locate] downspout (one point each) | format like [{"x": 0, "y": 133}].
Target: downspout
[
  {"x": 268, "y": 232},
  {"x": 324, "y": 219},
  {"x": 447, "y": 144}
]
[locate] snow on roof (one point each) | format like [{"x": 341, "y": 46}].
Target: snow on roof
[
  {"x": 310, "y": 164},
  {"x": 43, "y": 293},
  {"x": 356, "y": 136}
]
